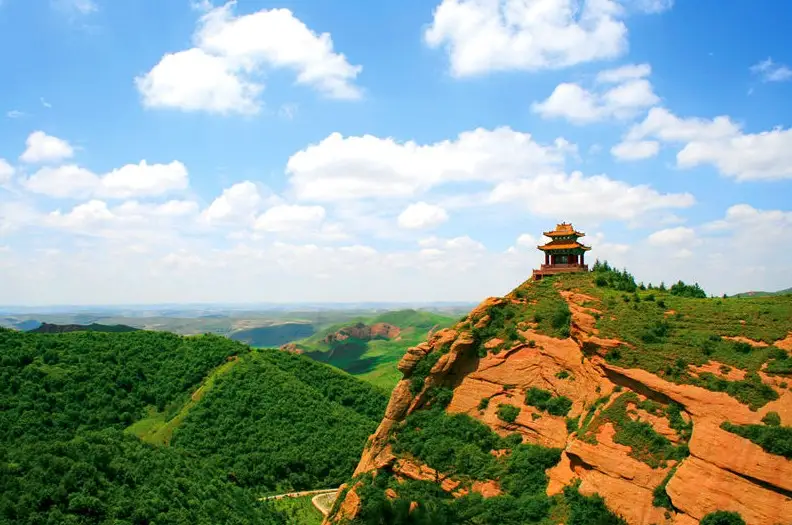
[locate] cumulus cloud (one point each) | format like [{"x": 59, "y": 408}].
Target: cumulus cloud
[
  {"x": 96, "y": 217},
  {"x": 43, "y": 148},
  {"x": 287, "y": 218},
  {"x": 6, "y": 171},
  {"x": 719, "y": 142},
  {"x": 586, "y": 198},
  {"x": 131, "y": 180},
  {"x": 769, "y": 71},
  {"x": 673, "y": 236},
  {"x": 237, "y": 204},
  {"x": 618, "y": 93},
  {"x": 421, "y": 216},
  {"x": 221, "y": 74},
  {"x": 342, "y": 168},
  {"x": 496, "y": 35}
]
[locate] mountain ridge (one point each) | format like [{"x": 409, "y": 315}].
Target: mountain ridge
[{"x": 646, "y": 394}]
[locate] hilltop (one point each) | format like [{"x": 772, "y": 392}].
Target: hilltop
[
  {"x": 144, "y": 427},
  {"x": 587, "y": 398},
  {"x": 48, "y": 328},
  {"x": 370, "y": 347},
  {"x": 786, "y": 291}
]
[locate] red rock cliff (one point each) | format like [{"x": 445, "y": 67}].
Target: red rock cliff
[{"x": 723, "y": 471}]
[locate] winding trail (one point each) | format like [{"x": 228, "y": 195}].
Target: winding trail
[{"x": 321, "y": 500}]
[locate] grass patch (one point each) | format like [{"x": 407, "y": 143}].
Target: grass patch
[
  {"x": 157, "y": 427},
  {"x": 299, "y": 511}
]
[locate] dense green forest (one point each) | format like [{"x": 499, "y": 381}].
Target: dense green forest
[
  {"x": 274, "y": 335},
  {"x": 65, "y": 400}
]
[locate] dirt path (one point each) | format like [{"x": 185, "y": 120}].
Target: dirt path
[
  {"x": 299, "y": 494},
  {"x": 323, "y": 498}
]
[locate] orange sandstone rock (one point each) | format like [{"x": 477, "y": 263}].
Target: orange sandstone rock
[
  {"x": 699, "y": 487},
  {"x": 741, "y": 339},
  {"x": 736, "y": 454},
  {"x": 786, "y": 343}
]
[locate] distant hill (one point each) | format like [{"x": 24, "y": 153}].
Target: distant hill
[
  {"x": 152, "y": 427},
  {"x": 370, "y": 347},
  {"x": 273, "y": 336},
  {"x": 48, "y": 328},
  {"x": 787, "y": 291}
]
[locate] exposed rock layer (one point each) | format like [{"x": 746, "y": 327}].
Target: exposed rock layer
[{"x": 722, "y": 472}]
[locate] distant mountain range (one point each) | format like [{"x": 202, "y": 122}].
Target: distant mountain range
[{"x": 787, "y": 291}]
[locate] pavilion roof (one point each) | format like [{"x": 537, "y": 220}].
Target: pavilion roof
[
  {"x": 564, "y": 229},
  {"x": 558, "y": 244}
]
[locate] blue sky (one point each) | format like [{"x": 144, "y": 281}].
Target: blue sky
[{"x": 189, "y": 151}]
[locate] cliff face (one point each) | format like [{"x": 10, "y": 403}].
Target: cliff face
[
  {"x": 649, "y": 442},
  {"x": 364, "y": 332}
]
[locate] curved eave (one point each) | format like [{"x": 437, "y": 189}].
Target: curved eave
[
  {"x": 563, "y": 234},
  {"x": 554, "y": 248}
]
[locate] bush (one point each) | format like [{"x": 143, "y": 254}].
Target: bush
[
  {"x": 772, "y": 419},
  {"x": 484, "y": 403},
  {"x": 547, "y": 402},
  {"x": 722, "y": 517},
  {"x": 681, "y": 289},
  {"x": 773, "y": 439},
  {"x": 508, "y": 413}
]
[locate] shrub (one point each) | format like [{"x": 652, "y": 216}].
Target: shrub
[
  {"x": 563, "y": 374},
  {"x": 484, "y": 403},
  {"x": 547, "y": 402},
  {"x": 772, "y": 419},
  {"x": 773, "y": 439},
  {"x": 722, "y": 517},
  {"x": 508, "y": 413},
  {"x": 742, "y": 347},
  {"x": 686, "y": 290}
]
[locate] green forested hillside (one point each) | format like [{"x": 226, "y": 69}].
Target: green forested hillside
[
  {"x": 374, "y": 361},
  {"x": 279, "y": 422},
  {"x": 65, "y": 400}
]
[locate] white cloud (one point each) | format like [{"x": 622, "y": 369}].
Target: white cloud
[
  {"x": 143, "y": 179},
  {"x": 589, "y": 198},
  {"x": 43, "y": 148},
  {"x": 6, "y": 171},
  {"x": 64, "y": 181},
  {"x": 237, "y": 204},
  {"x": 495, "y": 35},
  {"x": 95, "y": 217},
  {"x": 14, "y": 113},
  {"x": 719, "y": 142},
  {"x": 221, "y": 73},
  {"x": 421, "y": 215},
  {"x": 286, "y": 218},
  {"x": 631, "y": 94},
  {"x": 195, "y": 80},
  {"x": 636, "y": 150},
  {"x": 342, "y": 168},
  {"x": 770, "y": 71},
  {"x": 673, "y": 236},
  {"x": 131, "y": 180}
]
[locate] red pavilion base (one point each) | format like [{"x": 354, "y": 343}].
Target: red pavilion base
[{"x": 554, "y": 269}]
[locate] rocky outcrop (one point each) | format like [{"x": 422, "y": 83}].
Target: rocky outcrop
[
  {"x": 699, "y": 487},
  {"x": 723, "y": 471},
  {"x": 364, "y": 332}
]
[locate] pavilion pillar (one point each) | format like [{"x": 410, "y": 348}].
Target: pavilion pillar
[
  {"x": 547, "y": 258},
  {"x": 583, "y": 258}
]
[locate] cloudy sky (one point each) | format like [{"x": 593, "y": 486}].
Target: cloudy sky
[{"x": 305, "y": 150}]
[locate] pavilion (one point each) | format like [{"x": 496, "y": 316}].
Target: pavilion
[{"x": 563, "y": 253}]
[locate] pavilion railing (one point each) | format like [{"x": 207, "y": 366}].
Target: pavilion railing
[{"x": 564, "y": 267}]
